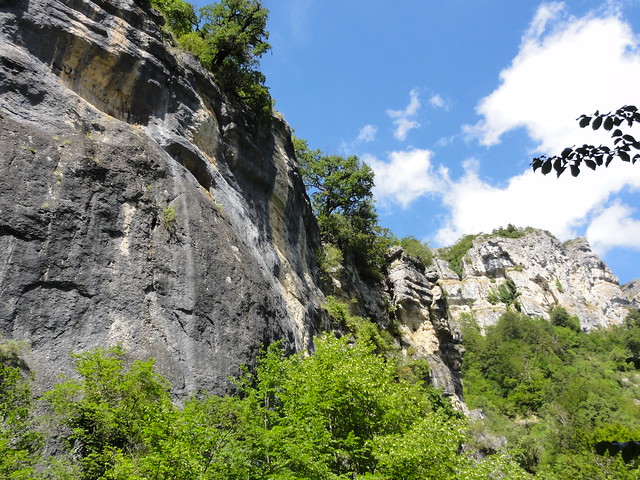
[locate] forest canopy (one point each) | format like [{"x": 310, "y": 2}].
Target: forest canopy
[{"x": 342, "y": 412}]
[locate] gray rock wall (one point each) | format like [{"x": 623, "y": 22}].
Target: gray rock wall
[{"x": 138, "y": 205}]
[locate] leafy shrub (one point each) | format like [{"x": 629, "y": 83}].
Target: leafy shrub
[
  {"x": 169, "y": 219},
  {"x": 506, "y": 293},
  {"x": 363, "y": 329},
  {"x": 559, "y": 317},
  {"x": 455, "y": 253},
  {"x": 330, "y": 257},
  {"x": 416, "y": 248},
  {"x": 511, "y": 232},
  {"x": 20, "y": 442}
]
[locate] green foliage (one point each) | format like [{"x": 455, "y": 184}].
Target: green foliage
[
  {"x": 511, "y": 232},
  {"x": 561, "y": 318},
  {"x": 11, "y": 352},
  {"x": 455, "y": 253},
  {"x": 180, "y": 15},
  {"x": 363, "y": 329},
  {"x": 20, "y": 442},
  {"x": 559, "y": 286},
  {"x": 342, "y": 200},
  {"x": 631, "y": 332},
  {"x": 228, "y": 37},
  {"x": 169, "y": 219},
  {"x": 108, "y": 411},
  {"x": 506, "y": 293},
  {"x": 417, "y": 248},
  {"x": 341, "y": 412},
  {"x": 330, "y": 257},
  {"x": 554, "y": 391},
  {"x": 590, "y": 155}
]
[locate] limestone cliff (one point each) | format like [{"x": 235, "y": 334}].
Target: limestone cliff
[
  {"x": 545, "y": 272},
  {"x": 138, "y": 204},
  {"x": 410, "y": 303},
  {"x": 420, "y": 308}
]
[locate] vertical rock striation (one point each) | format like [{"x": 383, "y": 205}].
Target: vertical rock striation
[
  {"x": 421, "y": 310},
  {"x": 138, "y": 205}
]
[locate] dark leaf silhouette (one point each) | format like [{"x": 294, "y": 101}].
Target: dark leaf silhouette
[{"x": 592, "y": 156}]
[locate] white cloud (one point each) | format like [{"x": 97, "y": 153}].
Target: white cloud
[
  {"x": 404, "y": 119},
  {"x": 614, "y": 227},
  {"x": 566, "y": 66},
  {"x": 560, "y": 205},
  {"x": 367, "y": 134},
  {"x": 436, "y": 101},
  {"x": 405, "y": 177}
]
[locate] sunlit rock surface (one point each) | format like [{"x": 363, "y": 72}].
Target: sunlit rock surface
[{"x": 546, "y": 273}]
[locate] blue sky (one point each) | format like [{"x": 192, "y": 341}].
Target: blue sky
[{"x": 449, "y": 101}]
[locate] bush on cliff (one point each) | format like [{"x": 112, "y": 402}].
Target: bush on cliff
[{"x": 228, "y": 37}]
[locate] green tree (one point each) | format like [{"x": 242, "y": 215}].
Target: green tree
[
  {"x": 180, "y": 15},
  {"x": 561, "y": 318},
  {"x": 230, "y": 37},
  {"x": 20, "y": 442},
  {"x": 553, "y": 392},
  {"x": 590, "y": 155},
  {"x": 108, "y": 410},
  {"x": 342, "y": 412},
  {"x": 342, "y": 199}
]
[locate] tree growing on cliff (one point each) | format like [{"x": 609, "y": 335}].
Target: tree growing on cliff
[
  {"x": 342, "y": 200},
  {"x": 229, "y": 38},
  {"x": 573, "y": 157},
  {"x": 180, "y": 15}
]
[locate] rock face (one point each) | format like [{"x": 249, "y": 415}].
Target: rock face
[
  {"x": 138, "y": 205},
  {"x": 545, "y": 272},
  {"x": 410, "y": 303},
  {"x": 421, "y": 311}
]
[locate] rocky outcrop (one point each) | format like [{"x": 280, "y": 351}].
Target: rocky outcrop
[
  {"x": 138, "y": 205},
  {"x": 545, "y": 272},
  {"x": 632, "y": 292},
  {"x": 420, "y": 309}
]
